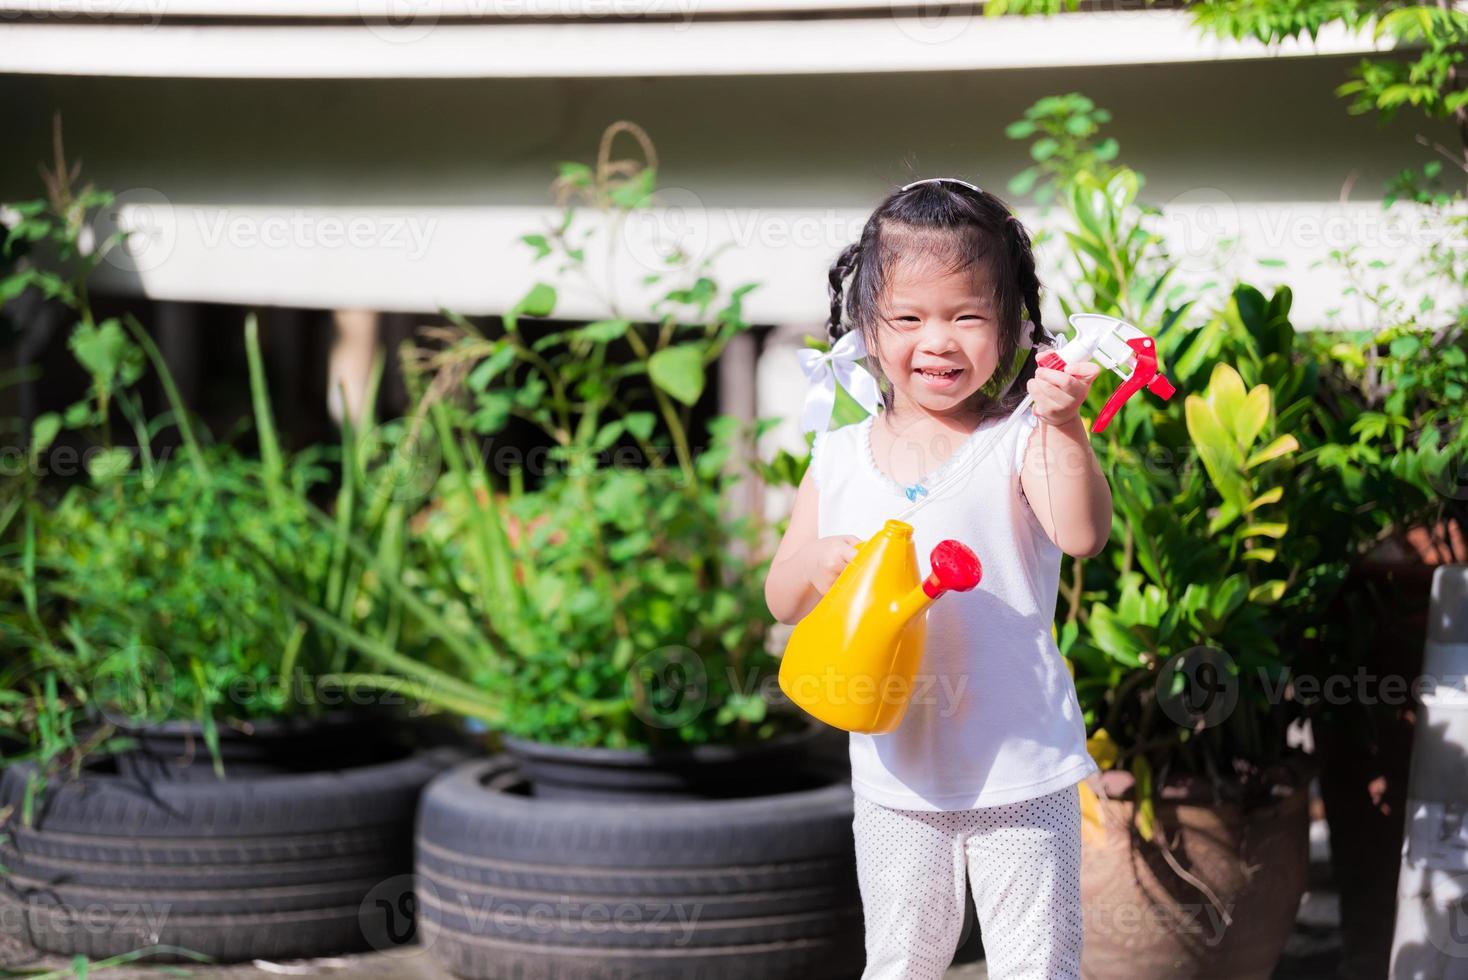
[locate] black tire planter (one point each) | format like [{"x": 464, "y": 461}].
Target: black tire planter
[
  {"x": 696, "y": 772},
  {"x": 335, "y": 740},
  {"x": 273, "y": 867},
  {"x": 514, "y": 886}
]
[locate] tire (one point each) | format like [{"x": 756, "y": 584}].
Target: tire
[
  {"x": 511, "y": 886},
  {"x": 273, "y": 867}
]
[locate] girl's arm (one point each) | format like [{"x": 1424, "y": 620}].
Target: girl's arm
[
  {"x": 1061, "y": 476},
  {"x": 804, "y": 566}
]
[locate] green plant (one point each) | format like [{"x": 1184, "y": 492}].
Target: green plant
[
  {"x": 1067, "y": 127},
  {"x": 1240, "y": 506},
  {"x": 609, "y": 604},
  {"x": 148, "y": 568}
]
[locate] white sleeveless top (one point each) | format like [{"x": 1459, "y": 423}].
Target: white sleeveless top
[{"x": 999, "y": 721}]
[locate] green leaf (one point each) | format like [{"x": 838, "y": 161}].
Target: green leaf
[
  {"x": 44, "y": 431},
  {"x": 576, "y": 173},
  {"x": 106, "y": 353},
  {"x": 1252, "y": 417},
  {"x": 1146, "y": 818},
  {"x": 1226, "y": 395},
  {"x": 1269, "y": 592},
  {"x": 1228, "y": 596},
  {"x": 608, "y": 434},
  {"x": 678, "y": 370},
  {"x": 1110, "y": 633},
  {"x": 485, "y": 371},
  {"x": 640, "y": 424},
  {"x": 1270, "y": 496},
  {"x": 540, "y": 301},
  {"x": 1282, "y": 446},
  {"x": 492, "y": 411},
  {"x": 604, "y": 331},
  {"x": 1217, "y": 450},
  {"x": 636, "y": 192},
  {"x": 109, "y": 464}
]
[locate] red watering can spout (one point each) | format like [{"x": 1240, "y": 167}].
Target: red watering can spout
[{"x": 955, "y": 568}]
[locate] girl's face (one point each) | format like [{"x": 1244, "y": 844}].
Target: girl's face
[{"x": 938, "y": 338}]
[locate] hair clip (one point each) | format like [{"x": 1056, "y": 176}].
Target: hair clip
[{"x": 936, "y": 180}]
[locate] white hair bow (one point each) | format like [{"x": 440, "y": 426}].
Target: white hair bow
[{"x": 823, "y": 369}]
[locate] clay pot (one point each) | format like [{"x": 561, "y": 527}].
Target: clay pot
[{"x": 1144, "y": 920}]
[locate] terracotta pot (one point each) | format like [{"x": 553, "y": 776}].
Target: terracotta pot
[{"x": 1143, "y": 920}]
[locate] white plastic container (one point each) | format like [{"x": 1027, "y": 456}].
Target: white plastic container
[{"x": 1430, "y": 941}]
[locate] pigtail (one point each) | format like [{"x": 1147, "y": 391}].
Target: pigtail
[
  {"x": 844, "y": 265},
  {"x": 1029, "y": 289}
]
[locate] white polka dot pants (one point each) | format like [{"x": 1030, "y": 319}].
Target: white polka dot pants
[{"x": 1023, "y": 861}]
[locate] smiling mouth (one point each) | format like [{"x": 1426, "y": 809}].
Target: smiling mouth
[{"x": 951, "y": 372}]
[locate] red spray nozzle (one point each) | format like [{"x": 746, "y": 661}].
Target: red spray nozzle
[{"x": 955, "y": 568}]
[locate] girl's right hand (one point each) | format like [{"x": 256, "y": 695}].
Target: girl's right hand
[{"x": 826, "y": 558}]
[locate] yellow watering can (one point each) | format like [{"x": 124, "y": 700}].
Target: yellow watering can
[{"x": 851, "y": 661}]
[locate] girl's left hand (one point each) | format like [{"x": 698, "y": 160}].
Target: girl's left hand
[{"x": 1059, "y": 394}]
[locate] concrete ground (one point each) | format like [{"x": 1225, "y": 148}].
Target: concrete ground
[{"x": 1312, "y": 953}]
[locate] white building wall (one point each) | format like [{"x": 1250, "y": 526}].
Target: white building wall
[{"x": 410, "y": 193}]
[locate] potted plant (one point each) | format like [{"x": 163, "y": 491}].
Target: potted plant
[
  {"x": 1242, "y": 509},
  {"x": 1195, "y": 843},
  {"x": 179, "y": 783},
  {"x": 1393, "y": 394},
  {"x": 591, "y": 608}
]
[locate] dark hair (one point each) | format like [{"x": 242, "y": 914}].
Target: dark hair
[{"x": 962, "y": 227}]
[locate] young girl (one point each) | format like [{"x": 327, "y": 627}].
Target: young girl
[{"x": 980, "y": 776}]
